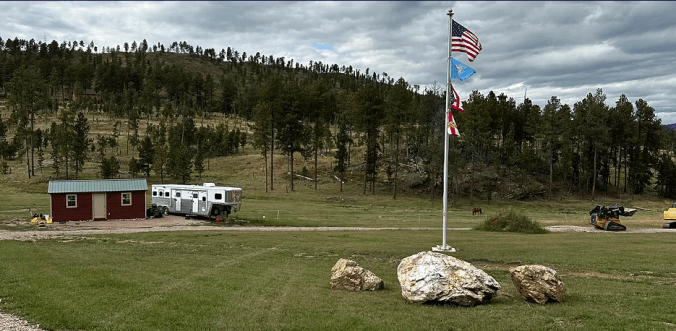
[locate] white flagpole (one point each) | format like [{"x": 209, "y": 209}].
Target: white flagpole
[{"x": 449, "y": 90}]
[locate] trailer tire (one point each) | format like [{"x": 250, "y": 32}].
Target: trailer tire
[
  {"x": 165, "y": 211},
  {"x": 216, "y": 211}
]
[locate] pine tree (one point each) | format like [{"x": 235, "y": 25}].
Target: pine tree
[
  {"x": 3, "y": 139},
  {"x": 342, "y": 139},
  {"x": 146, "y": 154},
  {"x": 199, "y": 163},
  {"x": 27, "y": 96},
  {"x": 110, "y": 167},
  {"x": 261, "y": 134},
  {"x": 292, "y": 134},
  {"x": 81, "y": 143},
  {"x": 367, "y": 113},
  {"x": 180, "y": 165},
  {"x": 399, "y": 105}
]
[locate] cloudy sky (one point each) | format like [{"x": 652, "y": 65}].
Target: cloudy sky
[{"x": 543, "y": 49}]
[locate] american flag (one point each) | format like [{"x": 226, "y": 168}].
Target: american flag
[
  {"x": 455, "y": 101},
  {"x": 452, "y": 127},
  {"x": 465, "y": 41}
]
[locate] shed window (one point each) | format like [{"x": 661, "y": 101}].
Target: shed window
[
  {"x": 126, "y": 199},
  {"x": 218, "y": 196},
  {"x": 71, "y": 201}
]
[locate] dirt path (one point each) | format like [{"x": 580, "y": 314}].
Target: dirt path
[
  {"x": 572, "y": 228},
  {"x": 177, "y": 223},
  {"x": 169, "y": 223}
]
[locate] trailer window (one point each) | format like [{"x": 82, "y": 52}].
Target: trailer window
[
  {"x": 126, "y": 199},
  {"x": 161, "y": 193},
  {"x": 218, "y": 196},
  {"x": 204, "y": 198},
  {"x": 166, "y": 194},
  {"x": 154, "y": 193},
  {"x": 178, "y": 194},
  {"x": 71, "y": 201},
  {"x": 194, "y": 195}
]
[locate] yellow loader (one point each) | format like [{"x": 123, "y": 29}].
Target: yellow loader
[
  {"x": 609, "y": 218},
  {"x": 670, "y": 215}
]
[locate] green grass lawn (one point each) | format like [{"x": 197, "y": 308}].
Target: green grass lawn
[{"x": 213, "y": 280}]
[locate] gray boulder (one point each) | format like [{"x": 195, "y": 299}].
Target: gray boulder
[
  {"x": 431, "y": 276},
  {"x": 348, "y": 275},
  {"x": 538, "y": 283}
]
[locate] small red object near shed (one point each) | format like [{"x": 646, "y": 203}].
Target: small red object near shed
[{"x": 81, "y": 200}]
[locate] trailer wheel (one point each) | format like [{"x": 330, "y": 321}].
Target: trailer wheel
[
  {"x": 216, "y": 211},
  {"x": 165, "y": 211}
]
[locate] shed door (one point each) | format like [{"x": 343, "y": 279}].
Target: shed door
[{"x": 99, "y": 205}]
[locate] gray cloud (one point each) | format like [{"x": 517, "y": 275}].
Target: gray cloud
[{"x": 567, "y": 49}]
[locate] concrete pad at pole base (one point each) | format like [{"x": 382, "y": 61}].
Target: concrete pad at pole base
[{"x": 439, "y": 248}]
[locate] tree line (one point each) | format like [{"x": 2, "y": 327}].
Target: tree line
[
  {"x": 591, "y": 146},
  {"x": 308, "y": 111}
]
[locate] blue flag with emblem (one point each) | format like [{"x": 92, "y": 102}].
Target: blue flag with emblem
[{"x": 460, "y": 71}]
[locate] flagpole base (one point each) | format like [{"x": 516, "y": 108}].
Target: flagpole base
[{"x": 439, "y": 248}]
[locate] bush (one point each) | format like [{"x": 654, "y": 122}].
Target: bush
[{"x": 510, "y": 221}]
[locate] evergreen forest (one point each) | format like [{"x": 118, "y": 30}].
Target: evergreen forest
[{"x": 374, "y": 128}]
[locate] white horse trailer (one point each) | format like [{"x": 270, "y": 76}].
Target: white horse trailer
[{"x": 202, "y": 200}]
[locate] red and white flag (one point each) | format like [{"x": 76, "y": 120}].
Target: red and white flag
[
  {"x": 455, "y": 101},
  {"x": 452, "y": 127}
]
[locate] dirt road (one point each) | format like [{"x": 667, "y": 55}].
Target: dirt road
[
  {"x": 168, "y": 223},
  {"x": 177, "y": 223}
]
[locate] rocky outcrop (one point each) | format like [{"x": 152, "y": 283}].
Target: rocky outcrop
[
  {"x": 538, "y": 283},
  {"x": 431, "y": 276},
  {"x": 348, "y": 275}
]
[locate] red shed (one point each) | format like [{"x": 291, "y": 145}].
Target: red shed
[{"x": 79, "y": 200}]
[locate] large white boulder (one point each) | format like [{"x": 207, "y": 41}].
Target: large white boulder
[
  {"x": 538, "y": 283},
  {"x": 431, "y": 276},
  {"x": 348, "y": 275}
]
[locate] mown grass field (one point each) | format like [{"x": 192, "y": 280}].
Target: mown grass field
[
  {"x": 219, "y": 280},
  {"x": 211, "y": 280}
]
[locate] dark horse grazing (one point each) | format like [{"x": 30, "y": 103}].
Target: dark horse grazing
[{"x": 477, "y": 210}]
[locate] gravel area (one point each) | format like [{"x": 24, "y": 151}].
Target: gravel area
[
  {"x": 12, "y": 323},
  {"x": 168, "y": 223},
  {"x": 179, "y": 223},
  {"x": 572, "y": 228}
]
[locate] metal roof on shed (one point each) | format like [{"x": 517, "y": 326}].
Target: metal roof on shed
[{"x": 101, "y": 185}]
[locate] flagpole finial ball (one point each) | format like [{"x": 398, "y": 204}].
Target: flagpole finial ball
[{"x": 450, "y": 12}]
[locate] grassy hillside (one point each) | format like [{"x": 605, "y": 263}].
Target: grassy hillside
[
  {"x": 325, "y": 205},
  {"x": 490, "y": 187}
]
